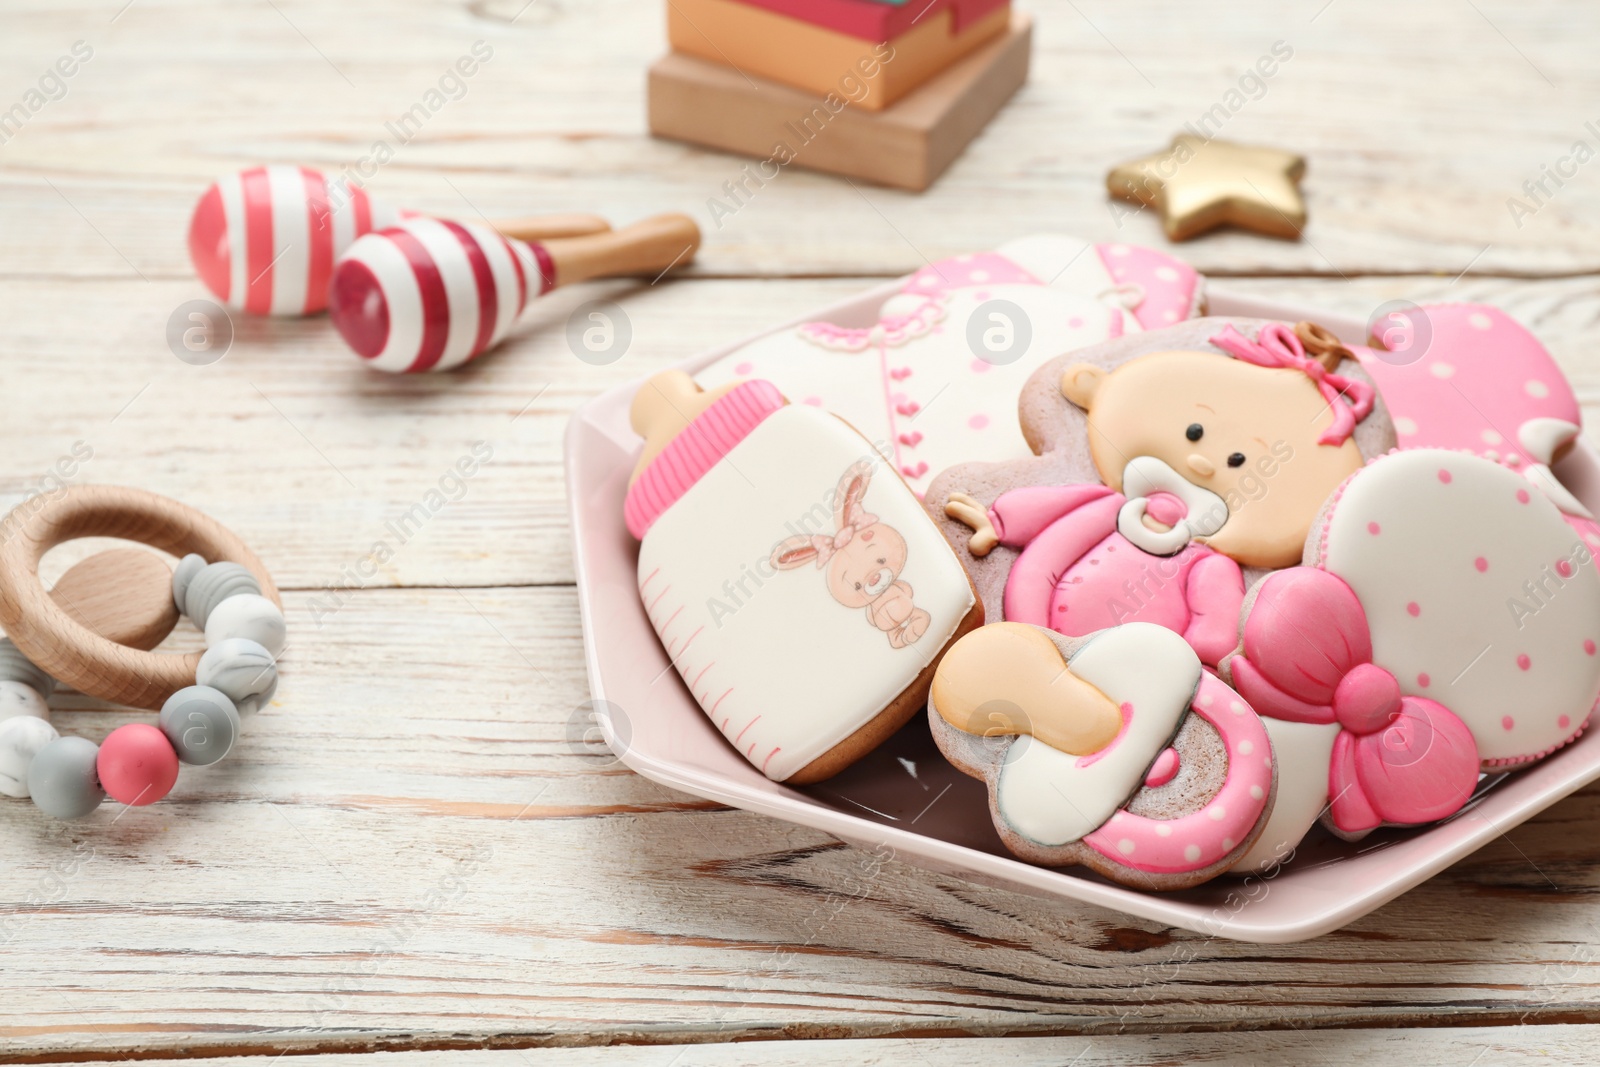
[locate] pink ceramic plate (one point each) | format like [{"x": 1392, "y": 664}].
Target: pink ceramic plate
[{"x": 906, "y": 797}]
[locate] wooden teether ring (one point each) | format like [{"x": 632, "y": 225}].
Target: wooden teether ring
[{"x": 62, "y": 646}]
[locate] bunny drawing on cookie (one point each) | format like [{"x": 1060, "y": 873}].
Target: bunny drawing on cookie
[{"x": 863, "y": 560}]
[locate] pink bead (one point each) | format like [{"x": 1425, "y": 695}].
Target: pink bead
[{"x": 137, "y": 764}]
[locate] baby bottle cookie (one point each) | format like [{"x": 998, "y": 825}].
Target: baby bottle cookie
[
  {"x": 797, "y": 584},
  {"x": 1118, "y": 752}
]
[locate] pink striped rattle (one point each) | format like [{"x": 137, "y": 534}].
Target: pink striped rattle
[
  {"x": 264, "y": 240},
  {"x": 430, "y": 295}
]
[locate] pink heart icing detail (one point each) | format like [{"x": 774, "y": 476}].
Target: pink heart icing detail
[
  {"x": 900, "y": 374},
  {"x": 912, "y": 439},
  {"x": 908, "y": 409},
  {"x": 914, "y": 472}
]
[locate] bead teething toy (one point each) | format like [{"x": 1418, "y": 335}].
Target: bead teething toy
[
  {"x": 72, "y": 634},
  {"x": 264, "y": 240},
  {"x": 429, "y": 295}
]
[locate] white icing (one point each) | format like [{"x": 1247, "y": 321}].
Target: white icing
[
  {"x": 1541, "y": 437},
  {"x": 1302, "y": 750},
  {"x": 783, "y": 669},
  {"x": 1468, "y": 634},
  {"x": 952, "y": 407},
  {"x": 1053, "y": 798},
  {"x": 1205, "y": 511}
]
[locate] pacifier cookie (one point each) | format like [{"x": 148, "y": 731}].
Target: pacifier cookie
[
  {"x": 1117, "y": 752},
  {"x": 1170, "y": 467},
  {"x": 796, "y": 583}
]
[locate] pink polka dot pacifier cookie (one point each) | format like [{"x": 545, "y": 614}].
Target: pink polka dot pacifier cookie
[{"x": 95, "y": 631}]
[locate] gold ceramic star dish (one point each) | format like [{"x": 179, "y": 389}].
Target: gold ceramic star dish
[{"x": 1198, "y": 185}]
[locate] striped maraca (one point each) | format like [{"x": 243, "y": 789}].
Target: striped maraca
[
  {"x": 429, "y": 295},
  {"x": 264, "y": 240}
]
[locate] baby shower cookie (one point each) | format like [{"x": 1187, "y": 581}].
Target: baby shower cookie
[
  {"x": 1118, "y": 752},
  {"x": 796, "y": 583},
  {"x": 1468, "y": 376},
  {"x": 1170, "y": 466},
  {"x": 932, "y": 378},
  {"x": 1445, "y": 621}
]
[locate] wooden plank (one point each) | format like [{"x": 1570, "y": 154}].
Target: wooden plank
[
  {"x": 1550, "y": 1046},
  {"x": 101, "y": 181},
  {"x": 310, "y": 457},
  {"x": 418, "y": 846}
]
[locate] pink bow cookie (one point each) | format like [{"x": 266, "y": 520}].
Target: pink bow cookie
[
  {"x": 1307, "y": 657},
  {"x": 1277, "y": 346}
]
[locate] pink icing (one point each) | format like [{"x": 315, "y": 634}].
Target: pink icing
[
  {"x": 1204, "y": 837},
  {"x": 1163, "y": 770},
  {"x": 1168, "y": 284},
  {"x": 963, "y": 272},
  {"x": 1076, "y": 574},
  {"x": 1307, "y": 657},
  {"x": 697, "y": 449},
  {"x": 1276, "y": 345}
]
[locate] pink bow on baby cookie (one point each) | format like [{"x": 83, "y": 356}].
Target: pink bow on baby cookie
[
  {"x": 1308, "y": 658},
  {"x": 1277, "y": 346}
]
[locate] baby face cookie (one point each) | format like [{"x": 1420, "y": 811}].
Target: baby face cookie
[
  {"x": 797, "y": 584},
  {"x": 1445, "y": 621},
  {"x": 1168, "y": 465},
  {"x": 1117, "y": 752},
  {"x": 933, "y": 378}
]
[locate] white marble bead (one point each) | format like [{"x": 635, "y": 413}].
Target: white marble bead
[
  {"x": 21, "y": 738},
  {"x": 241, "y": 669},
  {"x": 247, "y": 615},
  {"x": 20, "y": 698}
]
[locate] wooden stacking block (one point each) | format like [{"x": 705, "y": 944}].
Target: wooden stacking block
[
  {"x": 907, "y": 145},
  {"x": 811, "y": 47}
]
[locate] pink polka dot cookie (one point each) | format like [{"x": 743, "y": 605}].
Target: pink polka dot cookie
[
  {"x": 1444, "y": 623},
  {"x": 1118, "y": 752}
]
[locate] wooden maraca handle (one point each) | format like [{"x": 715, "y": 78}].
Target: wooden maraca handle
[
  {"x": 549, "y": 227},
  {"x": 63, "y": 647},
  {"x": 647, "y": 247}
]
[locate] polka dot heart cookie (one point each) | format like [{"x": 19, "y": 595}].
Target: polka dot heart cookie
[
  {"x": 1116, "y": 752},
  {"x": 933, "y": 378},
  {"x": 1445, "y": 622}
]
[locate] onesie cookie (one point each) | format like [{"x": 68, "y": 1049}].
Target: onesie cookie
[
  {"x": 797, "y": 584},
  {"x": 1117, "y": 752},
  {"x": 1170, "y": 467},
  {"x": 1445, "y": 621},
  {"x": 932, "y": 378}
]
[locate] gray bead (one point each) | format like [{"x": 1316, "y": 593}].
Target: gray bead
[
  {"x": 15, "y": 667},
  {"x": 62, "y": 778},
  {"x": 243, "y": 669},
  {"x": 216, "y": 583},
  {"x": 202, "y": 724},
  {"x": 183, "y": 574}
]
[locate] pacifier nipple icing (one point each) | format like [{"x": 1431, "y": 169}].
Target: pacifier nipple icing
[{"x": 1142, "y": 479}]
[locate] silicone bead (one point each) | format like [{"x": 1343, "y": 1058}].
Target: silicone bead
[
  {"x": 18, "y": 698},
  {"x": 242, "y": 669},
  {"x": 216, "y": 583},
  {"x": 182, "y": 575},
  {"x": 62, "y": 778},
  {"x": 21, "y": 738},
  {"x": 137, "y": 764},
  {"x": 16, "y": 667},
  {"x": 249, "y": 615},
  {"x": 201, "y": 723}
]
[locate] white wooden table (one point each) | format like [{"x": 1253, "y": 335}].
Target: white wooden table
[{"x": 416, "y": 849}]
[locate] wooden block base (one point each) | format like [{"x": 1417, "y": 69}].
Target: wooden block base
[{"x": 907, "y": 145}]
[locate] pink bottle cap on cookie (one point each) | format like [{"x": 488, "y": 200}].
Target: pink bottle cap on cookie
[{"x": 700, "y": 446}]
